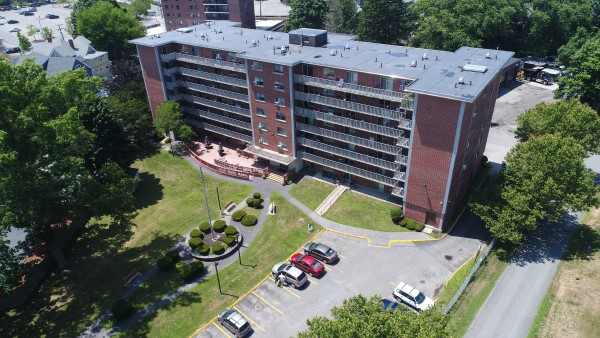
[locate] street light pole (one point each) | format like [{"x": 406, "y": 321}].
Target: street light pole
[
  {"x": 237, "y": 239},
  {"x": 218, "y": 280},
  {"x": 212, "y": 232}
]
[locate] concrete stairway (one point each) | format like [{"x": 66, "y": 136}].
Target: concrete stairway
[
  {"x": 328, "y": 202},
  {"x": 276, "y": 178}
]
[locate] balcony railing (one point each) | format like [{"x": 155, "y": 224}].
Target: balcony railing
[
  {"x": 209, "y": 90},
  {"x": 204, "y": 61},
  {"x": 169, "y": 71},
  {"x": 215, "y": 2},
  {"x": 386, "y": 148},
  {"x": 356, "y": 124},
  {"x": 400, "y": 176},
  {"x": 347, "y": 168},
  {"x": 354, "y": 106},
  {"x": 268, "y": 154},
  {"x": 207, "y": 76},
  {"x": 219, "y": 130},
  {"x": 405, "y": 99},
  {"x": 217, "y": 117},
  {"x": 402, "y": 142},
  {"x": 348, "y": 154},
  {"x": 212, "y": 104},
  {"x": 398, "y": 191},
  {"x": 401, "y": 159}
]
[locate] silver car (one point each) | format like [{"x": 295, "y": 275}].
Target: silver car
[
  {"x": 293, "y": 276},
  {"x": 234, "y": 322}
]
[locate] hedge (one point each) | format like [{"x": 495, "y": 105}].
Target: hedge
[
  {"x": 122, "y": 309},
  {"x": 217, "y": 248},
  {"x": 231, "y": 230},
  {"x": 194, "y": 242},
  {"x": 411, "y": 224},
  {"x": 205, "y": 227},
  {"x": 419, "y": 227},
  {"x": 396, "y": 215},
  {"x": 196, "y": 233},
  {"x": 228, "y": 240},
  {"x": 249, "y": 220},
  {"x": 250, "y": 202},
  {"x": 219, "y": 225},
  {"x": 173, "y": 254},
  {"x": 189, "y": 270},
  {"x": 165, "y": 263},
  {"x": 238, "y": 215},
  {"x": 257, "y": 196},
  {"x": 202, "y": 249}
]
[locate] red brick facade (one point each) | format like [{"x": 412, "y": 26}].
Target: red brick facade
[
  {"x": 152, "y": 80},
  {"x": 186, "y": 13}
]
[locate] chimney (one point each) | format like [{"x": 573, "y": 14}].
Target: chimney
[{"x": 71, "y": 43}]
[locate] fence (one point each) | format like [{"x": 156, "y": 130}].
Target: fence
[
  {"x": 469, "y": 276},
  {"x": 237, "y": 167},
  {"x": 221, "y": 170}
]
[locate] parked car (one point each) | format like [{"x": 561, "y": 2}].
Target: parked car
[
  {"x": 234, "y": 322},
  {"x": 14, "y": 30},
  {"x": 68, "y": 6},
  {"x": 293, "y": 276},
  {"x": 2, "y": 17},
  {"x": 52, "y": 16},
  {"x": 28, "y": 14},
  {"x": 33, "y": 9},
  {"x": 412, "y": 297},
  {"x": 321, "y": 252},
  {"x": 13, "y": 50},
  {"x": 11, "y": 22},
  {"x": 308, "y": 264}
]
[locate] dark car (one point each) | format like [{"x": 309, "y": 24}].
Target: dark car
[
  {"x": 308, "y": 264},
  {"x": 28, "y": 14},
  {"x": 11, "y": 22},
  {"x": 321, "y": 252},
  {"x": 51, "y": 16},
  {"x": 13, "y": 50}
]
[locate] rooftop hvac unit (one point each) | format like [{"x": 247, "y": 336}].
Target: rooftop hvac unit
[
  {"x": 461, "y": 80},
  {"x": 413, "y": 63}
]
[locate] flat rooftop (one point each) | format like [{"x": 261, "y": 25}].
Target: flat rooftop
[{"x": 434, "y": 72}]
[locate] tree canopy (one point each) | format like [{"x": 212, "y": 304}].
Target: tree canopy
[
  {"x": 384, "y": 21},
  {"x": 24, "y": 43},
  {"x": 109, "y": 29},
  {"x": 168, "y": 118},
  {"x": 342, "y": 16},
  {"x": 362, "y": 317},
  {"x": 566, "y": 118},
  {"x": 306, "y": 14}
]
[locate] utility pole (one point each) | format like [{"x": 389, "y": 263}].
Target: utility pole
[{"x": 60, "y": 30}]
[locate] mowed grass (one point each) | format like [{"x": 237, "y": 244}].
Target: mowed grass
[
  {"x": 311, "y": 192},
  {"x": 453, "y": 284},
  {"x": 169, "y": 203},
  {"x": 361, "y": 211},
  {"x": 281, "y": 235}
]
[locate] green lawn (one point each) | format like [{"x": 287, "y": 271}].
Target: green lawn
[
  {"x": 454, "y": 283},
  {"x": 311, "y": 192},
  {"x": 281, "y": 236},
  {"x": 169, "y": 203},
  {"x": 255, "y": 212},
  {"x": 361, "y": 211}
]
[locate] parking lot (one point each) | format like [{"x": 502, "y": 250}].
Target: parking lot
[
  {"x": 361, "y": 269},
  {"x": 38, "y": 20}
]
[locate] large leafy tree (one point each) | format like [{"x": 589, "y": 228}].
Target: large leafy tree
[
  {"x": 362, "y": 317},
  {"x": 24, "y": 43},
  {"x": 342, "y": 16},
  {"x": 385, "y": 21},
  {"x": 582, "y": 79},
  {"x": 306, "y": 14},
  {"x": 71, "y": 21},
  {"x": 169, "y": 118},
  {"x": 109, "y": 29},
  {"x": 544, "y": 177}
]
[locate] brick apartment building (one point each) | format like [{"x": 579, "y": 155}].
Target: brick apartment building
[
  {"x": 185, "y": 13},
  {"x": 409, "y": 122}
]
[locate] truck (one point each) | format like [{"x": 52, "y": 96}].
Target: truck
[{"x": 540, "y": 74}]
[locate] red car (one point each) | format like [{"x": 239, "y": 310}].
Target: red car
[{"x": 308, "y": 264}]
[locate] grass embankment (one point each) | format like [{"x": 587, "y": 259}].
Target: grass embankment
[
  {"x": 281, "y": 235},
  {"x": 311, "y": 192},
  {"x": 169, "y": 203},
  {"x": 364, "y": 212}
]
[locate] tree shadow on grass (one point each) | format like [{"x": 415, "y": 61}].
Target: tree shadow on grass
[
  {"x": 584, "y": 244},
  {"x": 149, "y": 192}
]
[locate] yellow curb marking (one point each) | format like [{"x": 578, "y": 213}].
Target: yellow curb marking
[
  {"x": 327, "y": 268},
  {"x": 293, "y": 293},
  {"x": 340, "y": 256},
  {"x": 271, "y": 305},
  {"x": 250, "y": 319},
  {"x": 312, "y": 281},
  {"x": 220, "y": 329}
]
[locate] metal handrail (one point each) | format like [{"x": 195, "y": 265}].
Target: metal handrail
[
  {"x": 400, "y": 176},
  {"x": 223, "y": 131},
  {"x": 212, "y": 104},
  {"x": 204, "y": 61},
  {"x": 284, "y": 159},
  {"x": 398, "y": 191},
  {"x": 208, "y": 89},
  {"x": 217, "y": 117},
  {"x": 208, "y": 76},
  {"x": 402, "y": 159}
]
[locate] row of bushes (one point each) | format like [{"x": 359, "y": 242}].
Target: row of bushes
[
  {"x": 168, "y": 259},
  {"x": 188, "y": 270},
  {"x": 411, "y": 224},
  {"x": 244, "y": 218}
]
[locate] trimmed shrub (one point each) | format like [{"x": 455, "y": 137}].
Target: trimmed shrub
[
  {"x": 173, "y": 254},
  {"x": 189, "y": 270},
  {"x": 249, "y": 220},
  {"x": 217, "y": 248},
  {"x": 122, "y": 309},
  {"x": 250, "y": 201},
  {"x": 205, "y": 227},
  {"x": 410, "y": 224},
  {"x": 403, "y": 222},
  {"x": 228, "y": 240},
  {"x": 219, "y": 225},
  {"x": 196, "y": 233},
  {"x": 419, "y": 227},
  {"x": 257, "y": 196},
  {"x": 165, "y": 263},
  {"x": 202, "y": 249},
  {"x": 194, "y": 242},
  {"x": 231, "y": 230},
  {"x": 396, "y": 215},
  {"x": 238, "y": 215}
]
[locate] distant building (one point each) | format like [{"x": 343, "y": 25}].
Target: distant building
[
  {"x": 61, "y": 55},
  {"x": 179, "y": 14}
]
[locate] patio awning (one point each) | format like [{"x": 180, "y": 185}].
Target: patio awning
[{"x": 269, "y": 155}]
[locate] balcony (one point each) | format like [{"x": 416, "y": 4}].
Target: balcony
[
  {"x": 219, "y": 8},
  {"x": 398, "y": 191},
  {"x": 204, "y": 61},
  {"x": 347, "y": 154},
  {"x": 400, "y": 176},
  {"x": 347, "y": 168},
  {"x": 401, "y": 159},
  {"x": 217, "y": 117},
  {"x": 402, "y": 142},
  {"x": 219, "y": 130},
  {"x": 357, "y": 107},
  {"x": 269, "y": 154},
  {"x": 209, "y": 90},
  {"x": 212, "y": 104},
  {"x": 405, "y": 99},
  {"x": 386, "y": 148},
  {"x": 356, "y": 124},
  {"x": 207, "y": 76},
  {"x": 215, "y": 2}
]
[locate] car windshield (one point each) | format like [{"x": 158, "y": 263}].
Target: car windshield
[
  {"x": 226, "y": 313},
  {"x": 420, "y": 298},
  {"x": 316, "y": 264},
  {"x": 330, "y": 252}
]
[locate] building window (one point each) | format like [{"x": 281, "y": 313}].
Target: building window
[
  {"x": 352, "y": 77},
  {"x": 195, "y": 51},
  {"x": 278, "y": 69},
  {"x": 257, "y": 65},
  {"x": 260, "y": 112},
  {"x": 262, "y": 125},
  {"x": 260, "y": 97},
  {"x": 387, "y": 83},
  {"x": 280, "y": 102},
  {"x": 328, "y": 72},
  {"x": 231, "y": 57},
  {"x": 281, "y": 131},
  {"x": 282, "y": 145},
  {"x": 280, "y": 116},
  {"x": 216, "y": 55},
  {"x": 263, "y": 140},
  {"x": 258, "y": 81},
  {"x": 328, "y": 92},
  {"x": 279, "y": 86}
]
